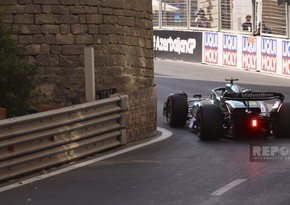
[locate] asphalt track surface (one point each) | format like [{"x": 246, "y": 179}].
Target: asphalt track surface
[{"x": 180, "y": 169}]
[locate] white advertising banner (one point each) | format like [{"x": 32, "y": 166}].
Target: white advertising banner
[
  {"x": 210, "y": 48},
  {"x": 269, "y": 55},
  {"x": 247, "y": 52},
  {"x": 230, "y": 50},
  {"x": 286, "y": 57}
]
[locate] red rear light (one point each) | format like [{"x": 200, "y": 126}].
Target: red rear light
[{"x": 254, "y": 123}]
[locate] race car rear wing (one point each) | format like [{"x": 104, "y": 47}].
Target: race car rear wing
[{"x": 254, "y": 96}]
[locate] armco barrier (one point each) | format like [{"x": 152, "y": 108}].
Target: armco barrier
[{"x": 42, "y": 140}]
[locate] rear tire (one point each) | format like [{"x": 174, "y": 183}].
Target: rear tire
[
  {"x": 210, "y": 122},
  {"x": 283, "y": 124},
  {"x": 177, "y": 110}
]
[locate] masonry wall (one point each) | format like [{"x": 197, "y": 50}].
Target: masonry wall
[
  {"x": 55, "y": 33},
  {"x": 142, "y": 114}
]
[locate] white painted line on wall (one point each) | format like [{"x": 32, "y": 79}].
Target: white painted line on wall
[
  {"x": 228, "y": 187},
  {"x": 165, "y": 134}
]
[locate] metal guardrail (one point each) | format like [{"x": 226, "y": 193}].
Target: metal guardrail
[{"x": 35, "y": 142}]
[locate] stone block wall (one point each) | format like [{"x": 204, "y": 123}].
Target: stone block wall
[
  {"x": 55, "y": 33},
  {"x": 142, "y": 114}
]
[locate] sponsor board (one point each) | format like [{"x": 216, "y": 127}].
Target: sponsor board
[
  {"x": 211, "y": 47},
  {"x": 179, "y": 45},
  {"x": 269, "y": 55},
  {"x": 249, "y": 53},
  {"x": 286, "y": 57},
  {"x": 230, "y": 47},
  {"x": 176, "y": 45}
]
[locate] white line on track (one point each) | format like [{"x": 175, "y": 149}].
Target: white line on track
[
  {"x": 165, "y": 134},
  {"x": 228, "y": 187}
]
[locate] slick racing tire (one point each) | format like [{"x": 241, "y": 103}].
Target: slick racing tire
[
  {"x": 177, "y": 110},
  {"x": 209, "y": 122},
  {"x": 283, "y": 123}
]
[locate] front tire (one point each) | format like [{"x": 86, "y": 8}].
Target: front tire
[
  {"x": 209, "y": 122},
  {"x": 177, "y": 110}
]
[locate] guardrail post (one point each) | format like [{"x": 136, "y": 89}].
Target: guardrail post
[
  {"x": 123, "y": 119},
  {"x": 123, "y": 138},
  {"x": 124, "y": 102}
]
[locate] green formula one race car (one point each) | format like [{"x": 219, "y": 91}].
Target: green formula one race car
[{"x": 230, "y": 111}]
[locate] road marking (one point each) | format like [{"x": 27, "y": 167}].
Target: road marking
[
  {"x": 165, "y": 134},
  {"x": 228, "y": 187}
]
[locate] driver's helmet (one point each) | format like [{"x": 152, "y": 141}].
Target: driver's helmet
[{"x": 232, "y": 90}]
